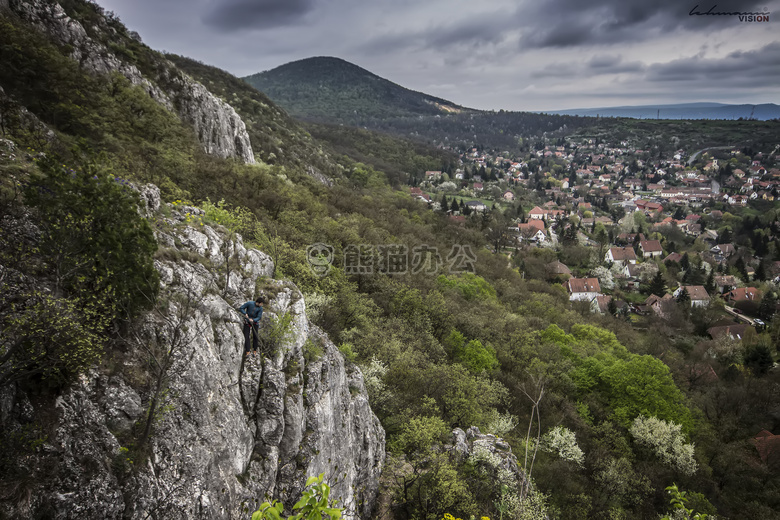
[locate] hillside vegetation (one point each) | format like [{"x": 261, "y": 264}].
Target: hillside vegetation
[{"x": 451, "y": 336}]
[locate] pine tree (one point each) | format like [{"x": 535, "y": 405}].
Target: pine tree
[
  {"x": 657, "y": 285},
  {"x": 740, "y": 266},
  {"x": 710, "y": 284},
  {"x": 760, "y": 272},
  {"x": 685, "y": 262},
  {"x": 766, "y": 309}
]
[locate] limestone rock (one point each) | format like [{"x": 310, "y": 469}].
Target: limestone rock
[
  {"x": 499, "y": 452},
  {"x": 219, "y": 128},
  {"x": 228, "y": 430}
]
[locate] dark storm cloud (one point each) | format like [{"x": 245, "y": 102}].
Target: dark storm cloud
[
  {"x": 561, "y": 24},
  {"x": 256, "y": 14},
  {"x": 568, "y": 23},
  {"x": 470, "y": 32},
  {"x": 474, "y": 31},
  {"x": 489, "y": 54},
  {"x": 757, "y": 67}
]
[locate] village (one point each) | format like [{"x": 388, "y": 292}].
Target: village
[{"x": 628, "y": 232}]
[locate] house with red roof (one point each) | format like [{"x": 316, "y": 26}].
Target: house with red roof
[
  {"x": 697, "y": 293},
  {"x": 673, "y": 257},
  {"x": 532, "y": 224},
  {"x": 743, "y": 294},
  {"x": 725, "y": 283},
  {"x": 537, "y": 214},
  {"x": 733, "y": 331},
  {"x": 660, "y": 305},
  {"x": 582, "y": 289},
  {"x": 532, "y": 231},
  {"x": 651, "y": 248},
  {"x": 648, "y": 207},
  {"x": 620, "y": 255}
]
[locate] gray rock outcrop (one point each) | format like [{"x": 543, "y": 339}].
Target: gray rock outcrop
[
  {"x": 219, "y": 128},
  {"x": 486, "y": 446},
  {"x": 492, "y": 457},
  {"x": 228, "y": 430}
]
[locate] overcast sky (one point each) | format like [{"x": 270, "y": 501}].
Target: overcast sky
[{"x": 491, "y": 54}]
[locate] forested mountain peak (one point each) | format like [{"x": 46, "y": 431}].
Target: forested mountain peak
[{"x": 327, "y": 88}]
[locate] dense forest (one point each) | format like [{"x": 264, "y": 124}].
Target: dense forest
[{"x": 602, "y": 415}]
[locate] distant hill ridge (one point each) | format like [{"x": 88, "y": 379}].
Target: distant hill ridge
[
  {"x": 761, "y": 112},
  {"x": 332, "y": 89}
]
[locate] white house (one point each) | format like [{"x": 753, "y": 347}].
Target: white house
[
  {"x": 476, "y": 205},
  {"x": 697, "y": 293},
  {"x": 583, "y": 289},
  {"x": 620, "y": 255}
]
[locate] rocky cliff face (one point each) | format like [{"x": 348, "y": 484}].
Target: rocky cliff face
[
  {"x": 228, "y": 430},
  {"x": 219, "y": 128}
]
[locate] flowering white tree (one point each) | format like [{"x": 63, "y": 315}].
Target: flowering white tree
[
  {"x": 562, "y": 441},
  {"x": 501, "y": 424},
  {"x": 647, "y": 271},
  {"x": 666, "y": 440},
  {"x": 605, "y": 276}
]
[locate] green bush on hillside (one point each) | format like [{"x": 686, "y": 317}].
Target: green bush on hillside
[{"x": 92, "y": 238}]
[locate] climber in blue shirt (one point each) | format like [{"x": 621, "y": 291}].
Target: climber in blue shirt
[{"x": 253, "y": 313}]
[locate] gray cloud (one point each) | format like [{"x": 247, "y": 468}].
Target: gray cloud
[
  {"x": 598, "y": 65},
  {"x": 604, "y": 61},
  {"x": 491, "y": 54},
  {"x": 612, "y": 64},
  {"x": 739, "y": 67},
  {"x": 571, "y": 23},
  {"x": 559, "y": 24},
  {"x": 479, "y": 30},
  {"x": 256, "y": 14}
]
